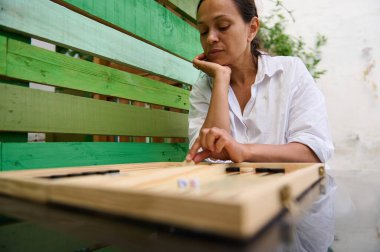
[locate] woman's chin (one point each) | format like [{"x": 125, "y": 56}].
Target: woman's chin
[{"x": 219, "y": 61}]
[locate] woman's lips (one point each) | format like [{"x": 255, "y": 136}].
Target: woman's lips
[{"x": 214, "y": 52}]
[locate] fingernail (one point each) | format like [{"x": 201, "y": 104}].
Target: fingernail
[{"x": 188, "y": 157}]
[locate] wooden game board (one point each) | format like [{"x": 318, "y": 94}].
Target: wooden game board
[{"x": 235, "y": 204}]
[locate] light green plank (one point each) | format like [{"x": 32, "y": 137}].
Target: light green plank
[
  {"x": 51, "y": 22},
  {"x": 29, "y": 110},
  {"x": 18, "y": 156},
  {"x": 39, "y": 65},
  {"x": 10, "y": 136},
  {"x": 3, "y": 53},
  {"x": 149, "y": 20},
  {"x": 188, "y": 8}
]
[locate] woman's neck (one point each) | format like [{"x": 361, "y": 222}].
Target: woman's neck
[{"x": 244, "y": 72}]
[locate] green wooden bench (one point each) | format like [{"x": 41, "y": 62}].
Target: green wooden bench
[
  {"x": 152, "y": 43},
  {"x": 145, "y": 37}
]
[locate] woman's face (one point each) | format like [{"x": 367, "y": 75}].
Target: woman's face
[{"x": 224, "y": 35}]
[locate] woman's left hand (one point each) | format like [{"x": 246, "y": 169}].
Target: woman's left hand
[
  {"x": 210, "y": 68},
  {"x": 217, "y": 144}
]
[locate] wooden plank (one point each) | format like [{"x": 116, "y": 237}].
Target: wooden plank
[
  {"x": 51, "y": 22},
  {"x": 3, "y": 54},
  {"x": 19, "y": 156},
  {"x": 145, "y": 19},
  {"x": 10, "y": 136},
  {"x": 29, "y": 110},
  {"x": 39, "y": 65},
  {"x": 296, "y": 184},
  {"x": 136, "y": 168},
  {"x": 3, "y": 48},
  {"x": 187, "y": 8},
  {"x": 146, "y": 168}
]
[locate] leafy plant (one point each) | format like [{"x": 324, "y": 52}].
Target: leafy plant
[
  {"x": 276, "y": 41},
  {"x": 73, "y": 53}
]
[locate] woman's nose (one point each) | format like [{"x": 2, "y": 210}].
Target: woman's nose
[{"x": 212, "y": 37}]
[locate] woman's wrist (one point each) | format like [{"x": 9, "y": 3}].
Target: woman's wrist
[
  {"x": 223, "y": 73},
  {"x": 222, "y": 79},
  {"x": 247, "y": 152},
  {"x": 238, "y": 153}
]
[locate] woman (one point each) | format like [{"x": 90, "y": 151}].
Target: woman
[{"x": 249, "y": 106}]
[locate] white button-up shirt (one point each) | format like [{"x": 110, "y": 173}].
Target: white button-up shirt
[{"x": 285, "y": 106}]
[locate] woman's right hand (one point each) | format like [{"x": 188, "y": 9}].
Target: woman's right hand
[
  {"x": 210, "y": 68},
  {"x": 216, "y": 143}
]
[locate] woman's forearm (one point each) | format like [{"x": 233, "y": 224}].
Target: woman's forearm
[
  {"x": 218, "y": 112},
  {"x": 291, "y": 152}
]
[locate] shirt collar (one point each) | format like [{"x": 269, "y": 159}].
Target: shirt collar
[{"x": 267, "y": 65}]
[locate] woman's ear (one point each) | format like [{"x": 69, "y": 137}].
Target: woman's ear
[{"x": 253, "y": 28}]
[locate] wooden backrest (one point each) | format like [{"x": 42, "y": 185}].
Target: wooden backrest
[{"x": 140, "y": 72}]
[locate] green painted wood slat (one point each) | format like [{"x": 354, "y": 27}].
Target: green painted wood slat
[
  {"x": 29, "y": 110},
  {"x": 146, "y": 19},
  {"x": 3, "y": 54},
  {"x": 18, "y": 156},
  {"x": 39, "y": 65},
  {"x": 187, "y": 8},
  {"x": 51, "y": 22}
]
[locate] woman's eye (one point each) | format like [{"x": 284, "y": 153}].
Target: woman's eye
[
  {"x": 203, "y": 33},
  {"x": 224, "y": 28}
]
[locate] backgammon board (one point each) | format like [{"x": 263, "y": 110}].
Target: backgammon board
[{"x": 233, "y": 200}]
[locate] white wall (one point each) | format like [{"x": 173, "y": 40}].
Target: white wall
[
  {"x": 352, "y": 83},
  {"x": 352, "y": 91}
]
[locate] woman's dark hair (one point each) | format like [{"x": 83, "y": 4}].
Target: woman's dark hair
[{"x": 247, "y": 10}]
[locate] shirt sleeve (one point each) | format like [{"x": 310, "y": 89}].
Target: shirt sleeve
[
  {"x": 199, "y": 104},
  {"x": 308, "y": 122}
]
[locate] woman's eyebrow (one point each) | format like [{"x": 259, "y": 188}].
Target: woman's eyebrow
[{"x": 215, "y": 18}]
